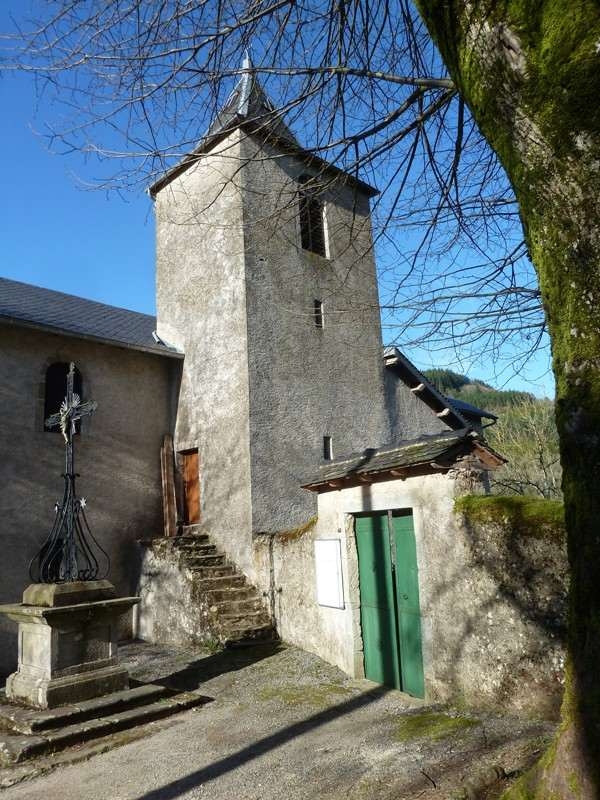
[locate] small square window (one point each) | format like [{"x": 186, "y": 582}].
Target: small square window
[{"x": 327, "y": 448}]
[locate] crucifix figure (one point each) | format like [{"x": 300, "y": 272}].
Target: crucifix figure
[
  {"x": 71, "y": 552},
  {"x": 71, "y": 411}
]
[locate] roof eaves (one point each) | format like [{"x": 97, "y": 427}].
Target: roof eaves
[
  {"x": 396, "y": 357},
  {"x": 369, "y": 462},
  {"x": 46, "y": 328},
  {"x": 468, "y": 408},
  {"x": 253, "y": 128},
  {"x": 366, "y": 473}
]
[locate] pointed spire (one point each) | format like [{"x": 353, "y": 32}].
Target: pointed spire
[
  {"x": 246, "y": 83},
  {"x": 249, "y": 103}
]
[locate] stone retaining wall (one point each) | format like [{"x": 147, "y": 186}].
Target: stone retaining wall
[{"x": 493, "y": 584}]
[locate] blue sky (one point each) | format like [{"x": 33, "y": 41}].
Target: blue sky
[{"x": 57, "y": 234}]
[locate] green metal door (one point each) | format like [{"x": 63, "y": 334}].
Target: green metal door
[
  {"x": 377, "y": 601},
  {"x": 408, "y": 606},
  {"x": 389, "y": 600}
]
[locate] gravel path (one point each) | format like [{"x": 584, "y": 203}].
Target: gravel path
[{"x": 284, "y": 725}]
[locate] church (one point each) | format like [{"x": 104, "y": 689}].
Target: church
[{"x": 259, "y": 465}]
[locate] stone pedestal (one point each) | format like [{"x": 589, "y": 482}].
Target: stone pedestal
[{"x": 67, "y": 643}]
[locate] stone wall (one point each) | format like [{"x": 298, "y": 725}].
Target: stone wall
[
  {"x": 262, "y": 385},
  {"x": 117, "y": 454},
  {"x": 306, "y": 382},
  {"x": 515, "y": 564},
  {"x": 201, "y": 308},
  {"x": 493, "y": 595}
]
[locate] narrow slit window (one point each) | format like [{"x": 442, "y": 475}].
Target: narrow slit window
[
  {"x": 56, "y": 390},
  {"x": 327, "y": 448},
  {"x": 312, "y": 217},
  {"x": 318, "y": 313}
]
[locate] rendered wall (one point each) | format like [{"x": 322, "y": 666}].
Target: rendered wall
[
  {"x": 306, "y": 382},
  {"x": 117, "y": 455},
  {"x": 201, "y": 308},
  {"x": 493, "y": 603},
  {"x": 409, "y": 416}
]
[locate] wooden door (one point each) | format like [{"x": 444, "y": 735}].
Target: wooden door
[
  {"x": 190, "y": 469},
  {"x": 389, "y": 601},
  {"x": 407, "y": 604},
  {"x": 377, "y": 601}
]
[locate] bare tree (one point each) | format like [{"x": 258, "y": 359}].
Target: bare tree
[
  {"x": 372, "y": 94},
  {"x": 526, "y": 435},
  {"x": 360, "y": 83}
]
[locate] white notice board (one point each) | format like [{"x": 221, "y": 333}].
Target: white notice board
[{"x": 328, "y": 568}]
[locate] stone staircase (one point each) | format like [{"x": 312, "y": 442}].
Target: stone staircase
[
  {"x": 27, "y": 733},
  {"x": 225, "y": 607}
]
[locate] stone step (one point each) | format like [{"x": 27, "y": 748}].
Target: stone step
[
  {"x": 198, "y": 549},
  {"x": 226, "y": 571},
  {"x": 247, "y": 605},
  {"x": 183, "y": 542},
  {"x": 191, "y": 556},
  {"x": 242, "y": 636},
  {"x": 231, "y": 593},
  {"x": 219, "y": 582},
  {"x": 29, "y": 720},
  {"x": 253, "y": 619},
  {"x": 15, "y": 748},
  {"x": 207, "y": 561}
]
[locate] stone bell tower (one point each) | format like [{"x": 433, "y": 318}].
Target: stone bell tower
[{"x": 266, "y": 280}]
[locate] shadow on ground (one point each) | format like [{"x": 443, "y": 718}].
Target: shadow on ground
[{"x": 190, "y": 675}]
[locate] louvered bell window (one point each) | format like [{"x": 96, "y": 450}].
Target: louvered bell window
[{"x": 312, "y": 221}]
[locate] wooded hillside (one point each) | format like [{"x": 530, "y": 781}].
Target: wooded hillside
[{"x": 525, "y": 434}]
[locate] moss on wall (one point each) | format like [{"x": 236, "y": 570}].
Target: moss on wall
[
  {"x": 527, "y": 516},
  {"x": 297, "y": 533}
]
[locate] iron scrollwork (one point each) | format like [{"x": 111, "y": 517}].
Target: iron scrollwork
[{"x": 71, "y": 552}]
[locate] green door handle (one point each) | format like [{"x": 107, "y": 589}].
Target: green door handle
[{"x": 405, "y": 597}]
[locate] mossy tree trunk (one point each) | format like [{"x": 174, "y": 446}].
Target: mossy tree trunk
[{"x": 530, "y": 72}]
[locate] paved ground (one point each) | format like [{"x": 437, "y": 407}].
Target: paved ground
[{"x": 283, "y": 725}]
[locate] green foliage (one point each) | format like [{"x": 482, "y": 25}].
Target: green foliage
[
  {"x": 445, "y": 380},
  {"x": 474, "y": 391},
  {"x": 528, "y": 516}
]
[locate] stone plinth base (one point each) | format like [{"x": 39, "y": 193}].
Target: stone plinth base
[{"x": 67, "y": 652}]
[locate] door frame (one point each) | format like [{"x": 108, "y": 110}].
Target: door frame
[
  {"x": 188, "y": 451},
  {"x": 389, "y": 513}
]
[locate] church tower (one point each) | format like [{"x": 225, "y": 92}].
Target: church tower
[{"x": 266, "y": 280}]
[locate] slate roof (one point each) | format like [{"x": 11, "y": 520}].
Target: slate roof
[
  {"x": 470, "y": 410},
  {"x": 436, "y": 451},
  {"x": 248, "y": 106},
  {"x": 34, "y": 306}
]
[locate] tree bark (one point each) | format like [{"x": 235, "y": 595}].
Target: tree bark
[{"x": 530, "y": 72}]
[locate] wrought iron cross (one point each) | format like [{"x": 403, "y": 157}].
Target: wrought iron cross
[
  {"x": 71, "y": 410},
  {"x": 70, "y": 553}
]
